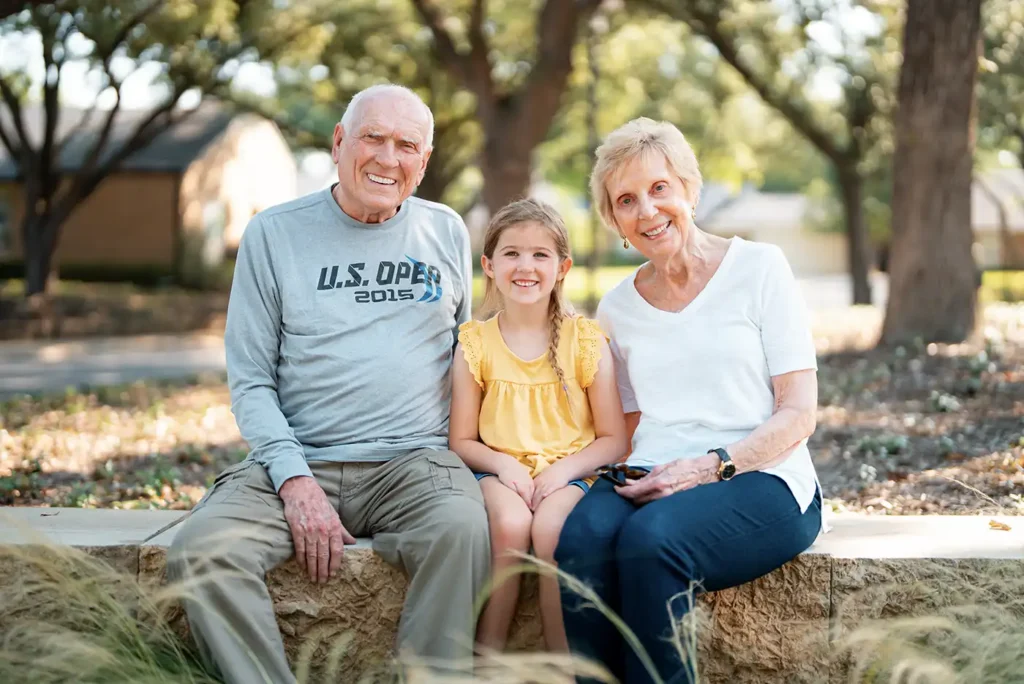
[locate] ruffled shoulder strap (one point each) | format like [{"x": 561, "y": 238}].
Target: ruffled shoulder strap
[
  {"x": 472, "y": 341},
  {"x": 588, "y": 350}
]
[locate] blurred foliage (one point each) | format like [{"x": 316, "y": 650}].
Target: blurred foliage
[
  {"x": 183, "y": 46},
  {"x": 780, "y": 95},
  {"x": 1001, "y": 79},
  {"x": 379, "y": 41}
]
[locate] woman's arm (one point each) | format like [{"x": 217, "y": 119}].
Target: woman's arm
[
  {"x": 793, "y": 420},
  {"x": 464, "y": 426},
  {"x": 632, "y": 423},
  {"x": 609, "y": 424}
]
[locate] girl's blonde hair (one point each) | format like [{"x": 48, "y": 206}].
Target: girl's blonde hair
[
  {"x": 636, "y": 138},
  {"x": 543, "y": 214}
]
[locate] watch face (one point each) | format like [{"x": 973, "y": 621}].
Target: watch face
[{"x": 728, "y": 471}]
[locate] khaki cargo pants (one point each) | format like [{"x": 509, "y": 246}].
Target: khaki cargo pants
[{"x": 424, "y": 511}]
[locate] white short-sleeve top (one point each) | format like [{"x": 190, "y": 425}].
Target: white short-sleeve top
[{"x": 701, "y": 377}]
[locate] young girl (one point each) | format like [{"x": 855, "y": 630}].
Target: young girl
[{"x": 535, "y": 407}]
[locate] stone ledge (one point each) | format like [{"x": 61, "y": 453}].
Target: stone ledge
[{"x": 776, "y": 629}]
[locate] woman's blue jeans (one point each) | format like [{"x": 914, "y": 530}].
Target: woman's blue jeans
[{"x": 637, "y": 558}]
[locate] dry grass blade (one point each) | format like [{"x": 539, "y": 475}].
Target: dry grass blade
[
  {"x": 72, "y": 618},
  {"x": 967, "y": 627}
]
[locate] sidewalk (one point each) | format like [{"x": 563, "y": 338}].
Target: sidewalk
[{"x": 48, "y": 366}]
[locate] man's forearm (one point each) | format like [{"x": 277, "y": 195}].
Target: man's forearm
[{"x": 269, "y": 435}]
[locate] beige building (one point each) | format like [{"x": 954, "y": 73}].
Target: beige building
[
  {"x": 176, "y": 207},
  {"x": 997, "y": 214},
  {"x": 781, "y": 219}
]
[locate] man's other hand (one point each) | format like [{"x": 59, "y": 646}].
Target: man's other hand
[{"x": 317, "y": 532}]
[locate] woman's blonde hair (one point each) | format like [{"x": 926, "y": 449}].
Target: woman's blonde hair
[
  {"x": 543, "y": 214},
  {"x": 636, "y": 138}
]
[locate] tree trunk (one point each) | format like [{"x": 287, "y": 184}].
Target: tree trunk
[
  {"x": 38, "y": 252},
  {"x": 858, "y": 247},
  {"x": 506, "y": 170},
  {"x": 933, "y": 276},
  {"x": 434, "y": 183}
]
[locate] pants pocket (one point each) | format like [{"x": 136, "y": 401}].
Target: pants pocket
[{"x": 450, "y": 475}]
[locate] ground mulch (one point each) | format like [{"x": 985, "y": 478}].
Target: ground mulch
[{"x": 920, "y": 429}]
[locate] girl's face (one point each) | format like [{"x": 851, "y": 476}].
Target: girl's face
[{"x": 525, "y": 267}]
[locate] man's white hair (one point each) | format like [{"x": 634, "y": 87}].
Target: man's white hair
[{"x": 354, "y": 108}]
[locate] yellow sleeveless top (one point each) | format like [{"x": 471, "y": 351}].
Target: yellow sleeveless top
[{"x": 525, "y": 412}]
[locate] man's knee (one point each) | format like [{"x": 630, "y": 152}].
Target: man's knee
[
  {"x": 198, "y": 546},
  {"x": 207, "y": 542},
  {"x": 459, "y": 516}
]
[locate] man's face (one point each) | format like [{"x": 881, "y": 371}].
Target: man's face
[{"x": 382, "y": 160}]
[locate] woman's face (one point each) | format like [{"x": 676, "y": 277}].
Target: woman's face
[{"x": 651, "y": 206}]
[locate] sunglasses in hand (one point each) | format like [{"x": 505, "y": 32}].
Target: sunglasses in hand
[{"x": 621, "y": 473}]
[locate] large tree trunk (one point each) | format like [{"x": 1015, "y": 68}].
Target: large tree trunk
[
  {"x": 933, "y": 277},
  {"x": 37, "y": 252},
  {"x": 434, "y": 184},
  {"x": 505, "y": 165},
  {"x": 858, "y": 247}
]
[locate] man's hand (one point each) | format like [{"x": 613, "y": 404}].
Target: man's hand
[{"x": 317, "y": 532}]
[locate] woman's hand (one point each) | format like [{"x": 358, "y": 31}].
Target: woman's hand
[
  {"x": 550, "y": 480},
  {"x": 516, "y": 477},
  {"x": 677, "y": 476}
]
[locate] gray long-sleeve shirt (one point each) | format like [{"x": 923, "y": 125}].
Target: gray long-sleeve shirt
[{"x": 340, "y": 334}]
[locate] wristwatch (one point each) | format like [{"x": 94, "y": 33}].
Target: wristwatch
[{"x": 726, "y": 469}]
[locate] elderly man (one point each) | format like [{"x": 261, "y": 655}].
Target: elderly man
[{"x": 342, "y": 319}]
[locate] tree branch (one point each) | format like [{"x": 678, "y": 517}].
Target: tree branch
[
  {"x": 93, "y": 156},
  {"x": 86, "y": 181},
  {"x": 557, "y": 27},
  {"x": 708, "y": 24},
  {"x": 14, "y": 107},
  {"x": 49, "y": 167},
  {"x": 5, "y": 138},
  {"x": 474, "y": 70},
  {"x": 129, "y": 25},
  {"x": 144, "y": 134},
  {"x": 106, "y": 54}
]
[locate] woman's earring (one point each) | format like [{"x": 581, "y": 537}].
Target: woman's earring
[
  {"x": 625, "y": 243},
  {"x": 693, "y": 213}
]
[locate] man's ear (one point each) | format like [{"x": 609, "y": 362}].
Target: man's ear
[
  {"x": 339, "y": 135},
  {"x": 423, "y": 166},
  {"x": 485, "y": 264}
]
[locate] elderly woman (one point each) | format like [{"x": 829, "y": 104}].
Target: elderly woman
[{"x": 717, "y": 372}]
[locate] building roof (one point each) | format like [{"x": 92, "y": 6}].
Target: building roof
[
  {"x": 994, "y": 188},
  {"x": 172, "y": 150},
  {"x": 763, "y": 210}
]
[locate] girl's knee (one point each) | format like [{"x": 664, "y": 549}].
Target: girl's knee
[
  {"x": 510, "y": 529},
  {"x": 545, "y": 535}
]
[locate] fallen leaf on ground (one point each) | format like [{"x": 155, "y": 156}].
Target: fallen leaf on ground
[{"x": 996, "y": 525}]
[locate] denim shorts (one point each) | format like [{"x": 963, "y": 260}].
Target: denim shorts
[{"x": 579, "y": 483}]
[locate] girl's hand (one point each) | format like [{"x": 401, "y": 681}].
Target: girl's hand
[
  {"x": 677, "y": 476},
  {"x": 516, "y": 477},
  {"x": 548, "y": 482}
]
